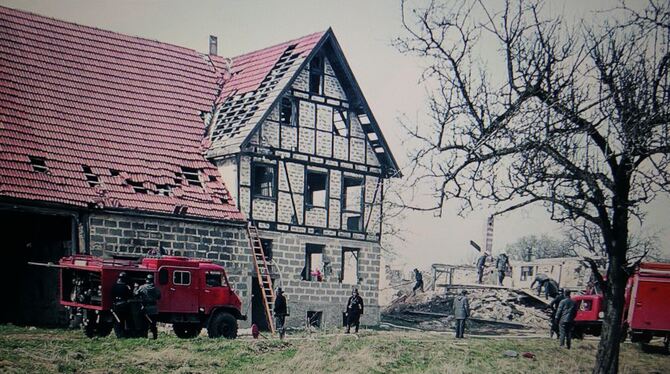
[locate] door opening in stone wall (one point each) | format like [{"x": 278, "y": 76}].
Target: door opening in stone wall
[
  {"x": 33, "y": 297},
  {"x": 258, "y": 316}
]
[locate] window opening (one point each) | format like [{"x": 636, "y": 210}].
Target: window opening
[
  {"x": 267, "y": 248},
  {"x": 181, "y": 278},
  {"x": 286, "y": 111},
  {"x": 263, "y": 181},
  {"x": 526, "y": 272},
  {"x": 315, "y": 74},
  {"x": 39, "y": 164},
  {"x": 315, "y": 186},
  {"x": 213, "y": 279},
  {"x": 352, "y": 203},
  {"x": 91, "y": 178},
  {"x": 341, "y": 122},
  {"x": 349, "y": 273},
  {"x": 192, "y": 176},
  {"x": 314, "y": 318},
  {"x": 313, "y": 262}
]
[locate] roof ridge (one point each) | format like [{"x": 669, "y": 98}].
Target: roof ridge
[{"x": 320, "y": 33}]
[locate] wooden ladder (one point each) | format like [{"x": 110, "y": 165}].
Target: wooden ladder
[{"x": 262, "y": 273}]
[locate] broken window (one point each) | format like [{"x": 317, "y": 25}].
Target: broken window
[
  {"x": 349, "y": 274},
  {"x": 314, "y": 318},
  {"x": 39, "y": 164},
  {"x": 352, "y": 202},
  {"x": 315, "y": 74},
  {"x": 192, "y": 176},
  {"x": 286, "y": 111},
  {"x": 263, "y": 181},
  {"x": 91, "y": 178},
  {"x": 341, "y": 122},
  {"x": 315, "y": 189},
  {"x": 313, "y": 260}
]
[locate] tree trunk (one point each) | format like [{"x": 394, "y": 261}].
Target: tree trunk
[{"x": 607, "y": 360}]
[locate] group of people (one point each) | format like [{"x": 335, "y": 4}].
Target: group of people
[
  {"x": 354, "y": 310},
  {"x": 501, "y": 265},
  {"x": 135, "y": 308}
]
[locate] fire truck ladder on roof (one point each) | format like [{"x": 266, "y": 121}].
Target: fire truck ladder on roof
[{"x": 262, "y": 274}]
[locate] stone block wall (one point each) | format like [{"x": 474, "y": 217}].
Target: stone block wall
[{"x": 329, "y": 296}]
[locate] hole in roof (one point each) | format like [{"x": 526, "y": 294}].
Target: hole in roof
[
  {"x": 114, "y": 172},
  {"x": 192, "y": 176},
  {"x": 39, "y": 164},
  {"x": 163, "y": 189},
  {"x": 180, "y": 210},
  {"x": 137, "y": 186},
  {"x": 212, "y": 178},
  {"x": 91, "y": 177}
]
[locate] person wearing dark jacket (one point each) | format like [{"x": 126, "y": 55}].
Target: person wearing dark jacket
[
  {"x": 551, "y": 289},
  {"x": 121, "y": 295},
  {"x": 502, "y": 264},
  {"x": 565, "y": 316},
  {"x": 481, "y": 264},
  {"x": 419, "y": 281},
  {"x": 540, "y": 280},
  {"x": 354, "y": 310},
  {"x": 149, "y": 296},
  {"x": 281, "y": 311},
  {"x": 554, "y": 308},
  {"x": 461, "y": 312}
]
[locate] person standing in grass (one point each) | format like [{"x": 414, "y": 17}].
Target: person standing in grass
[
  {"x": 281, "y": 311},
  {"x": 354, "y": 310},
  {"x": 461, "y": 313},
  {"x": 149, "y": 295},
  {"x": 565, "y": 316}
]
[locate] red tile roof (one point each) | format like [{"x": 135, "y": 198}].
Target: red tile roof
[{"x": 127, "y": 107}]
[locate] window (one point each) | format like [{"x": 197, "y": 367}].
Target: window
[
  {"x": 286, "y": 111},
  {"x": 213, "y": 279},
  {"x": 263, "y": 181},
  {"x": 349, "y": 274},
  {"x": 39, "y": 164},
  {"x": 313, "y": 260},
  {"x": 163, "y": 276},
  {"x": 267, "y": 248},
  {"x": 341, "y": 122},
  {"x": 352, "y": 203},
  {"x": 181, "y": 278},
  {"x": 315, "y": 189},
  {"x": 526, "y": 272},
  {"x": 315, "y": 74}
]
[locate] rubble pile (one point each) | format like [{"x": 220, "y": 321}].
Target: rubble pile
[{"x": 490, "y": 308}]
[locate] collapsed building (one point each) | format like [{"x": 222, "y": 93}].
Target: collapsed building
[{"x": 117, "y": 145}]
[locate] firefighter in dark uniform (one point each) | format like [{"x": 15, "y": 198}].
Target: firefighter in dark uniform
[
  {"x": 149, "y": 296},
  {"x": 419, "y": 281},
  {"x": 554, "y": 308},
  {"x": 121, "y": 294},
  {"x": 281, "y": 311},
  {"x": 481, "y": 264},
  {"x": 565, "y": 316},
  {"x": 502, "y": 264},
  {"x": 354, "y": 310}
]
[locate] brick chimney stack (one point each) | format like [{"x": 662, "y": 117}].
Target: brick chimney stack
[{"x": 213, "y": 45}]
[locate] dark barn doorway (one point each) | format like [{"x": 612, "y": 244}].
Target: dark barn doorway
[{"x": 32, "y": 292}]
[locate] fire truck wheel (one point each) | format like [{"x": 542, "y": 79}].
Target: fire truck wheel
[
  {"x": 186, "y": 330},
  {"x": 222, "y": 324}
]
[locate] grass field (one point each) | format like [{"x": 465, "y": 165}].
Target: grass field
[{"x": 24, "y": 350}]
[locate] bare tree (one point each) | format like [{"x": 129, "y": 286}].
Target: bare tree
[
  {"x": 531, "y": 247},
  {"x": 574, "y": 119}
]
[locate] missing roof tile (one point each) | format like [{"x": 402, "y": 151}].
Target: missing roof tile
[
  {"x": 114, "y": 172},
  {"x": 192, "y": 176},
  {"x": 39, "y": 164},
  {"x": 137, "y": 186},
  {"x": 180, "y": 210},
  {"x": 91, "y": 178},
  {"x": 163, "y": 189}
]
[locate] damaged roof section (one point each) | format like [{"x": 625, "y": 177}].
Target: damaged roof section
[{"x": 93, "y": 118}]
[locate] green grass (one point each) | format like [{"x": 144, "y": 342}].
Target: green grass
[{"x": 24, "y": 350}]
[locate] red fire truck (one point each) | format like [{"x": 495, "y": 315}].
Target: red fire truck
[
  {"x": 647, "y": 308},
  {"x": 195, "y": 294}
]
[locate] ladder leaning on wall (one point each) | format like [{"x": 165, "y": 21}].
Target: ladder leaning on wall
[{"x": 262, "y": 273}]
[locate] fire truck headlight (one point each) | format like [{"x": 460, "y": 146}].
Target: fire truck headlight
[
  {"x": 601, "y": 315},
  {"x": 201, "y": 310}
]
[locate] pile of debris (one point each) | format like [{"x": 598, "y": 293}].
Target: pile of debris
[{"x": 490, "y": 309}]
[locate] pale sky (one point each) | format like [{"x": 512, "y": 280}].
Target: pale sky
[{"x": 388, "y": 79}]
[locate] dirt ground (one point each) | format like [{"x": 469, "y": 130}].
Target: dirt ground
[{"x": 30, "y": 350}]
